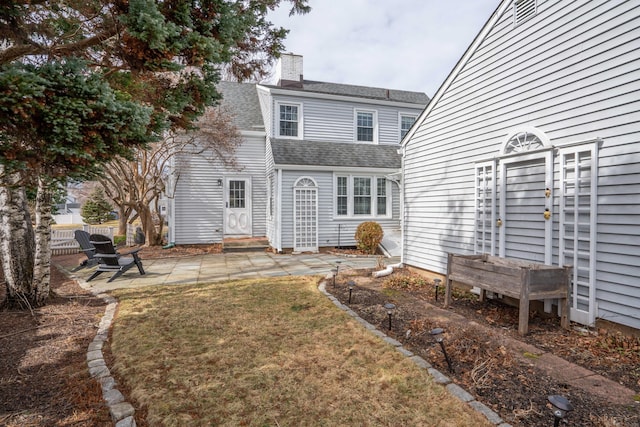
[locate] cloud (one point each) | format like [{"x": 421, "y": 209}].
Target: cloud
[{"x": 399, "y": 44}]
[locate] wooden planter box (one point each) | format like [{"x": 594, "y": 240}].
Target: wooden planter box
[{"x": 523, "y": 280}]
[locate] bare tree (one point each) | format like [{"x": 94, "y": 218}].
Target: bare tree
[{"x": 137, "y": 184}]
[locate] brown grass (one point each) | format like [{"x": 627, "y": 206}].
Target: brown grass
[{"x": 267, "y": 352}]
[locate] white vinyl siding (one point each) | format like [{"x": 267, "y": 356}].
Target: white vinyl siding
[
  {"x": 332, "y": 231},
  {"x": 571, "y": 71},
  {"x": 335, "y": 120},
  {"x": 199, "y": 199}
]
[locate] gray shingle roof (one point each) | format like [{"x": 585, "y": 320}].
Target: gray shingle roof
[
  {"x": 321, "y": 153},
  {"x": 359, "y": 92},
  {"x": 242, "y": 99}
]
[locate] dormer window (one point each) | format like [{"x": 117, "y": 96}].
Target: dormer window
[
  {"x": 289, "y": 124},
  {"x": 366, "y": 126},
  {"x": 523, "y": 10}
]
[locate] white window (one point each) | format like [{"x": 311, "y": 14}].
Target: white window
[
  {"x": 366, "y": 126},
  {"x": 290, "y": 120},
  {"x": 362, "y": 196},
  {"x": 406, "y": 121}
]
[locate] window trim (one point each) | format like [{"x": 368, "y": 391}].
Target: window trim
[
  {"x": 351, "y": 196},
  {"x": 374, "y": 113},
  {"x": 401, "y": 115},
  {"x": 300, "y": 119}
]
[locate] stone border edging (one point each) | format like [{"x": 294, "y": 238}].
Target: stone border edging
[
  {"x": 453, "y": 389},
  {"x": 120, "y": 410}
]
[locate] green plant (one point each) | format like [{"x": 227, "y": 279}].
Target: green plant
[
  {"x": 368, "y": 236},
  {"x": 119, "y": 239},
  {"x": 97, "y": 209}
]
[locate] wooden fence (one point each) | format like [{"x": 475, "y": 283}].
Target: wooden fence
[{"x": 63, "y": 242}]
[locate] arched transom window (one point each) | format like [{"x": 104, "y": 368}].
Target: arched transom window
[{"x": 524, "y": 140}]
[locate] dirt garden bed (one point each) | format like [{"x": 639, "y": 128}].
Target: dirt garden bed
[{"x": 490, "y": 359}]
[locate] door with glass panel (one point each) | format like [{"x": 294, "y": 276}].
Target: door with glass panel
[{"x": 237, "y": 206}]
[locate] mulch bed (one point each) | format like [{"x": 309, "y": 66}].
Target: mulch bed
[{"x": 496, "y": 374}]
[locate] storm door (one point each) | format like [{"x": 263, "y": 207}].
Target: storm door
[
  {"x": 305, "y": 215},
  {"x": 237, "y": 207}
]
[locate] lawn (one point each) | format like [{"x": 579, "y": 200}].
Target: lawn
[{"x": 270, "y": 352}]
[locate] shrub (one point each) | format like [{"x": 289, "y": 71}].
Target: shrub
[
  {"x": 368, "y": 236},
  {"x": 119, "y": 239}
]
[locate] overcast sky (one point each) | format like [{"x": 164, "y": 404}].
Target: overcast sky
[{"x": 394, "y": 44}]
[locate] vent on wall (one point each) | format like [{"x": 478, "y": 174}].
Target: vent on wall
[{"x": 523, "y": 10}]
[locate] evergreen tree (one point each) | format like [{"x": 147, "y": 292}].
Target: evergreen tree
[{"x": 97, "y": 209}]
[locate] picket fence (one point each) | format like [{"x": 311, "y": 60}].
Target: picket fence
[{"x": 63, "y": 242}]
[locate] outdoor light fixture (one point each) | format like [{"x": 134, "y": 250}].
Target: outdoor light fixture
[
  {"x": 338, "y": 266},
  {"x": 436, "y": 282},
  {"x": 335, "y": 273},
  {"x": 219, "y": 183},
  {"x": 351, "y": 283},
  {"x": 390, "y": 307},
  {"x": 437, "y": 334},
  {"x": 561, "y": 406}
]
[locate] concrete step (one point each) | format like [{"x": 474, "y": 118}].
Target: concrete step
[{"x": 247, "y": 244}]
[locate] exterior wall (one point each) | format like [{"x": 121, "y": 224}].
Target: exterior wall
[
  {"x": 331, "y": 231},
  {"x": 271, "y": 225},
  {"x": 572, "y": 71},
  {"x": 199, "y": 200},
  {"x": 334, "y": 120}
]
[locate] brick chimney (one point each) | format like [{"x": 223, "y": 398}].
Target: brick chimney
[{"x": 289, "y": 70}]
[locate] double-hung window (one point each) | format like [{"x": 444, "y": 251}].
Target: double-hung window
[
  {"x": 406, "y": 121},
  {"x": 366, "y": 126},
  {"x": 362, "y": 196},
  {"x": 289, "y": 120}
]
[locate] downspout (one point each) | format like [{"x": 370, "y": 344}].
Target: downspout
[
  {"x": 278, "y": 224},
  {"x": 402, "y": 152}
]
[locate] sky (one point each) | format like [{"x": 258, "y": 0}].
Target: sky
[{"x": 395, "y": 44}]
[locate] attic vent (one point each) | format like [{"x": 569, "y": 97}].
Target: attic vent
[{"x": 523, "y": 10}]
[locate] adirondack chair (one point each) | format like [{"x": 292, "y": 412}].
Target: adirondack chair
[
  {"x": 110, "y": 260},
  {"x": 82, "y": 237}
]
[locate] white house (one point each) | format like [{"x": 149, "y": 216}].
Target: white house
[
  {"x": 317, "y": 160},
  {"x": 541, "y": 114}
]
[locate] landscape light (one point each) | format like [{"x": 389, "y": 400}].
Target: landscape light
[
  {"x": 561, "y": 406},
  {"x": 351, "y": 283},
  {"x": 436, "y": 282},
  {"x": 390, "y": 307},
  {"x": 437, "y": 334},
  {"x": 335, "y": 273}
]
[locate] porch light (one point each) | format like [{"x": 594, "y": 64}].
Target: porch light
[
  {"x": 351, "y": 284},
  {"x": 561, "y": 406},
  {"x": 389, "y": 307},
  {"x": 437, "y": 334},
  {"x": 436, "y": 282}
]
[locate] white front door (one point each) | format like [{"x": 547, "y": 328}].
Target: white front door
[{"x": 237, "y": 218}]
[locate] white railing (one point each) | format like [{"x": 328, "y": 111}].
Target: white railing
[{"x": 63, "y": 242}]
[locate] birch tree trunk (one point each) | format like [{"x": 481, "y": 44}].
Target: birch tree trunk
[
  {"x": 42, "y": 260},
  {"x": 16, "y": 241}
]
